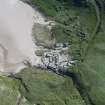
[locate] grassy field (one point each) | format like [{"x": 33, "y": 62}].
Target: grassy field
[
  {"x": 75, "y": 25},
  {"x": 91, "y": 74},
  {"x": 47, "y": 88},
  {"x": 8, "y": 91}
]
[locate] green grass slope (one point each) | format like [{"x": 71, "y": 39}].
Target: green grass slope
[
  {"x": 75, "y": 25},
  {"x": 47, "y": 88},
  {"x": 90, "y": 72},
  {"x": 8, "y": 91}
]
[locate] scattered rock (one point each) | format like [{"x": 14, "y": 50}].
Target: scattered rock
[
  {"x": 56, "y": 59},
  {"x": 39, "y": 52}
]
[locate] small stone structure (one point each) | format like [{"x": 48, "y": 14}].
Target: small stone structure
[{"x": 56, "y": 59}]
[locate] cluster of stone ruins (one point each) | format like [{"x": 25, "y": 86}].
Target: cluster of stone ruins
[{"x": 56, "y": 59}]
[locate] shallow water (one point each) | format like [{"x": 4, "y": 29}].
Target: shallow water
[{"x": 16, "y": 44}]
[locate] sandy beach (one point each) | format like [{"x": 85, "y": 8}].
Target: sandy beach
[{"x": 16, "y": 43}]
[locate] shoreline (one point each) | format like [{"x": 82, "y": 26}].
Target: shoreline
[{"x": 20, "y": 36}]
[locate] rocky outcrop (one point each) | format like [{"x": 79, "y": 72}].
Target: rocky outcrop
[{"x": 57, "y": 59}]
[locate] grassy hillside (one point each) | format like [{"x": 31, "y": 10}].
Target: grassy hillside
[
  {"x": 83, "y": 27},
  {"x": 9, "y": 91},
  {"x": 47, "y": 88},
  {"x": 92, "y": 70}
]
